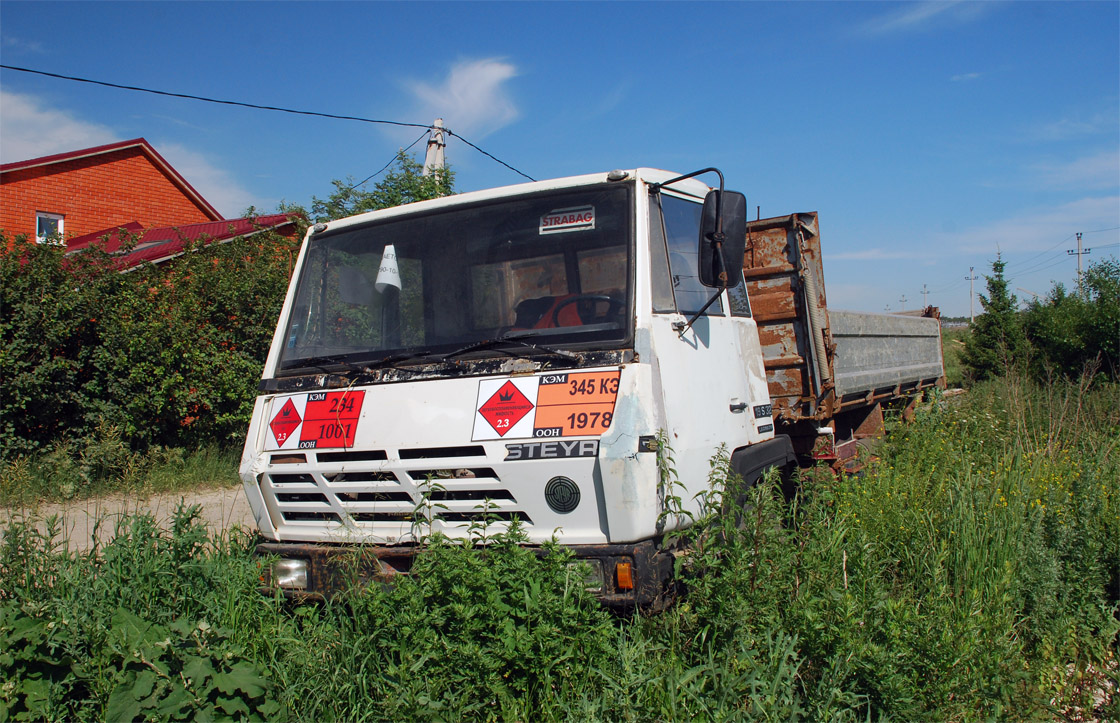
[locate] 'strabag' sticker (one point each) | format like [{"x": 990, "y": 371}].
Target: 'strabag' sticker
[{"x": 568, "y": 219}]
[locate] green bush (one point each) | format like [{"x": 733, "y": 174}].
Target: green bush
[
  {"x": 1062, "y": 335},
  {"x": 1071, "y": 332},
  {"x": 164, "y": 355}
]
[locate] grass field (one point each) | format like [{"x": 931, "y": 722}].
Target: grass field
[{"x": 971, "y": 574}]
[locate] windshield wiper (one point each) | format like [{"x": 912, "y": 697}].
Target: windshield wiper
[
  {"x": 514, "y": 340},
  {"x": 356, "y": 367},
  {"x": 394, "y": 359},
  {"x": 319, "y": 362}
]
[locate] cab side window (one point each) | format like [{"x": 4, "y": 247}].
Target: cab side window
[{"x": 675, "y": 223}]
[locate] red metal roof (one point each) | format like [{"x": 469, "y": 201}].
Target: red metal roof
[
  {"x": 140, "y": 143},
  {"x": 160, "y": 244}
]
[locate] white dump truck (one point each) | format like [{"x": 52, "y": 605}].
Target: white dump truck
[{"x": 522, "y": 353}]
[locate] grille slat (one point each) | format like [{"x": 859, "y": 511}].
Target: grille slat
[
  {"x": 374, "y": 497},
  {"x": 286, "y": 479},
  {"x": 461, "y": 473},
  {"x": 442, "y": 452}
]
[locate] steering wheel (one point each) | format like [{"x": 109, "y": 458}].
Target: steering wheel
[{"x": 588, "y": 303}]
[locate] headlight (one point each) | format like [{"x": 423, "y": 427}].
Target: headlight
[
  {"x": 290, "y": 574},
  {"x": 592, "y": 571}
]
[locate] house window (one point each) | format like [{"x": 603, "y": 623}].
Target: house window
[{"x": 48, "y": 227}]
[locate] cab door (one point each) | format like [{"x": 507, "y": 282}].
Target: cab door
[{"x": 710, "y": 374}]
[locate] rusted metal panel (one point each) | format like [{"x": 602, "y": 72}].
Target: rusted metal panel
[
  {"x": 785, "y": 281},
  {"x": 827, "y": 368}
]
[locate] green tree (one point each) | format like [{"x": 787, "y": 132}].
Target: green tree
[
  {"x": 404, "y": 183},
  {"x": 997, "y": 341},
  {"x": 1068, "y": 332}
]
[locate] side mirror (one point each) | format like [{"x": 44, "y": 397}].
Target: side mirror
[{"x": 723, "y": 238}]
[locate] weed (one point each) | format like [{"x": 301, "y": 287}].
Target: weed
[{"x": 971, "y": 574}]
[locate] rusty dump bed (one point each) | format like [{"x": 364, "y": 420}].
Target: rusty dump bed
[{"x": 820, "y": 363}]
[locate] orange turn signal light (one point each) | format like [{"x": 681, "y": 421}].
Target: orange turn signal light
[{"x": 625, "y": 576}]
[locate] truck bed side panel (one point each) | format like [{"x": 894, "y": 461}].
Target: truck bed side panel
[{"x": 883, "y": 351}]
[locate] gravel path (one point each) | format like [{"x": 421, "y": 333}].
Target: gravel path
[{"x": 221, "y": 508}]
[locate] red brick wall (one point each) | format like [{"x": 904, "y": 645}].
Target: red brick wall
[{"x": 95, "y": 193}]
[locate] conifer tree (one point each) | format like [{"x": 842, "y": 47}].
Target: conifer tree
[{"x": 997, "y": 342}]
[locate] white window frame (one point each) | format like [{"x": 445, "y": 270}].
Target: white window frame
[{"x": 43, "y": 215}]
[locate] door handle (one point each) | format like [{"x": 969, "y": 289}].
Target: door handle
[{"x": 738, "y": 406}]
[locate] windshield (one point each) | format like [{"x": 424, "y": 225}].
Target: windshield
[{"x": 554, "y": 266}]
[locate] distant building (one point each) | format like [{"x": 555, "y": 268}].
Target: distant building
[
  {"x": 80, "y": 192},
  {"x": 86, "y": 195}
]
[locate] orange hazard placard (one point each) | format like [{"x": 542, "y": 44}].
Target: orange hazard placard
[
  {"x": 331, "y": 419},
  {"x": 572, "y": 405}
]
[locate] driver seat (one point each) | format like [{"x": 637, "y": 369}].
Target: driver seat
[{"x": 538, "y": 313}]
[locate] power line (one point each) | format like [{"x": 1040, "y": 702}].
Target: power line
[
  {"x": 1031, "y": 259},
  {"x": 1051, "y": 260},
  {"x": 395, "y": 156},
  {"x": 256, "y": 106},
  {"x": 1040, "y": 253}
]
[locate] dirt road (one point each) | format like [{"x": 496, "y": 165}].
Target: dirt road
[{"x": 221, "y": 508}]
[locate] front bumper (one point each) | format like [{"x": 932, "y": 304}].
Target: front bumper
[{"x": 331, "y": 569}]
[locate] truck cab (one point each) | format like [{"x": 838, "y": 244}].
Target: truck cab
[{"x": 524, "y": 353}]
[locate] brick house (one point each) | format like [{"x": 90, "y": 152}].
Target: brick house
[
  {"x": 97, "y": 193},
  {"x": 85, "y": 191}
]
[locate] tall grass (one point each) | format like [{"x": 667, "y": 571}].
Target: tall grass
[
  {"x": 104, "y": 464},
  {"x": 970, "y": 574}
]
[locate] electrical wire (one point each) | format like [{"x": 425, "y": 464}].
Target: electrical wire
[
  {"x": 378, "y": 173},
  {"x": 1040, "y": 253},
  {"x": 256, "y": 106}
]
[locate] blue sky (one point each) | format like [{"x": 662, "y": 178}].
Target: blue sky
[{"x": 929, "y": 136}]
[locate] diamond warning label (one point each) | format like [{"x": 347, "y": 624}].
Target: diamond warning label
[
  {"x": 285, "y": 422},
  {"x": 505, "y": 408}
]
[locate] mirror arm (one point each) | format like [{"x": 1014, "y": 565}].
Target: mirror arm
[
  {"x": 718, "y": 237},
  {"x": 657, "y": 186},
  {"x": 700, "y": 313}
]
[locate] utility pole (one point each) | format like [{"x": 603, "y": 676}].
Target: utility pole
[
  {"x": 902, "y": 300},
  {"x": 433, "y": 157},
  {"x": 925, "y": 295},
  {"x": 1079, "y": 253},
  {"x": 887, "y": 308},
  {"x": 971, "y": 306}
]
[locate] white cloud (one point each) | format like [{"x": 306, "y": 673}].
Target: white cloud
[
  {"x": 1075, "y": 125},
  {"x": 19, "y": 45},
  {"x": 1034, "y": 231},
  {"x": 215, "y": 184},
  {"x": 472, "y": 99},
  {"x": 876, "y": 255},
  {"x": 919, "y": 16},
  {"x": 28, "y": 129},
  {"x": 1095, "y": 172},
  {"x": 964, "y": 76}
]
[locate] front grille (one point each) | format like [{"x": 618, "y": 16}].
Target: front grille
[{"x": 380, "y": 496}]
